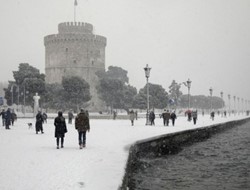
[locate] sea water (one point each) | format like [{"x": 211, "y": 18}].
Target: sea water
[{"x": 220, "y": 162}]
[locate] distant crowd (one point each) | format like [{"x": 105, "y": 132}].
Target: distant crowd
[
  {"x": 82, "y": 121},
  {"x": 8, "y": 118}
]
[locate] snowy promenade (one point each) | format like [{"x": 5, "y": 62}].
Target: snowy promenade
[{"x": 30, "y": 161}]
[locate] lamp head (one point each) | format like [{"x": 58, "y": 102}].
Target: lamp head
[{"x": 147, "y": 71}]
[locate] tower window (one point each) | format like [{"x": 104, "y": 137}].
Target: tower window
[
  {"x": 92, "y": 62},
  {"x": 66, "y": 49},
  {"x": 74, "y": 61}
]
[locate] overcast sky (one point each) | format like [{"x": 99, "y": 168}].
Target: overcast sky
[{"x": 207, "y": 41}]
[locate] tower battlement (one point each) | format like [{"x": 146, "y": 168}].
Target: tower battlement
[
  {"x": 59, "y": 38},
  {"x": 75, "y": 27}
]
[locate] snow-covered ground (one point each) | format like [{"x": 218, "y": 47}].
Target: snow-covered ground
[{"x": 31, "y": 161}]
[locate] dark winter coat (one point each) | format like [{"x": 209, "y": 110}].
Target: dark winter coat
[
  {"x": 194, "y": 114},
  {"x": 7, "y": 117},
  {"x": 82, "y": 122},
  {"x": 3, "y": 114},
  {"x": 132, "y": 115},
  {"x": 70, "y": 115},
  {"x": 60, "y": 126},
  {"x": 173, "y": 116},
  {"x": 166, "y": 115},
  {"x": 39, "y": 121},
  {"x": 45, "y": 116},
  {"x": 13, "y": 116},
  {"x": 212, "y": 114},
  {"x": 151, "y": 116}
]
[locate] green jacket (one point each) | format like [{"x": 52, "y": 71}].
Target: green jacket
[{"x": 82, "y": 122}]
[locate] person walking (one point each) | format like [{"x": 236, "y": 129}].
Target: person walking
[
  {"x": 82, "y": 126},
  {"x": 173, "y": 117},
  {"x": 166, "y": 117},
  {"x": 60, "y": 129},
  {"x": 194, "y": 116},
  {"x": 203, "y": 113},
  {"x": 114, "y": 115},
  {"x": 87, "y": 113},
  {"x": 212, "y": 115},
  {"x": 3, "y": 116},
  {"x": 13, "y": 117},
  {"x": 7, "y": 119},
  {"x": 152, "y": 117},
  {"x": 163, "y": 115},
  {"x": 189, "y": 114},
  {"x": 39, "y": 122},
  {"x": 70, "y": 116},
  {"x": 132, "y": 117},
  {"x": 45, "y": 116}
]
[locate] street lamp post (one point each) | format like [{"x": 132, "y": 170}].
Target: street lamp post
[
  {"x": 234, "y": 105},
  {"x": 12, "y": 92},
  {"x": 147, "y": 74},
  {"x": 238, "y": 105},
  {"x": 221, "y": 95},
  {"x": 189, "y": 86},
  {"x": 24, "y": 94},
  {"x": 211, "y": 94},
  {"x": 245, "y": 105},
  {"x": 242, "y": 105},
  {"x": 248, "y": 105},
  {"x": 229, "y": 104}
]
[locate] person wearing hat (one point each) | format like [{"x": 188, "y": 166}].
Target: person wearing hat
[
  {"x": 60, "y": 129},
  {"x": 82, "y": 126}
]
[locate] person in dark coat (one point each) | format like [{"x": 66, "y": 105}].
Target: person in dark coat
[
  {"x": 39, "y": 122},
  {"x": 60, "y": 129},
  {"x": 136, "y": 115},
  {"x": 3, "y": 116},
  {"x": 225, "y": 113},
  {"x": 163, "y": 115},
  {"x": 13, "y": 117},
  {"x": 7, "y": 119},
  {"x": 114, "y": 115},
  {"x": 82, "y": 126},
  {"x": 45, "y": 116},
  {"x": 173, "y": 117},
  {"x": 166, "y": 117},
  {"x": 132, "y": 117},
  {"x": 87, "y": 113},
  {"x": 189, "y": 114},
  {"x": 70, "y": 116},
  {"x": 152, "y": 118},
  {"x": 194, "y": 116},
  {"x": 212, "y": 115}
]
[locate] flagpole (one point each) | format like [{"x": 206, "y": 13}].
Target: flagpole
[
  {"x": 75, "y": 4},
  {"x": 74, "y": 13}
]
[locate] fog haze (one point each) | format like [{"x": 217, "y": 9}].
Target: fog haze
[{"x": 207, "y": 41}]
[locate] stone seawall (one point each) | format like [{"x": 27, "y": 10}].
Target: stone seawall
[{"x": 168, "y": 144}]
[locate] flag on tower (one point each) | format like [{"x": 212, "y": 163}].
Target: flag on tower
[{"x": 75, "y": 2}]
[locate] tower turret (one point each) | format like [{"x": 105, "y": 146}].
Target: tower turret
[{"x": 75, "y": 51}]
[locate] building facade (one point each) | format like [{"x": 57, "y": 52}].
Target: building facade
[{"x": 75, "y": 51}]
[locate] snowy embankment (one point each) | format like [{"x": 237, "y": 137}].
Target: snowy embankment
[{"x": 31, "y": 161}]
